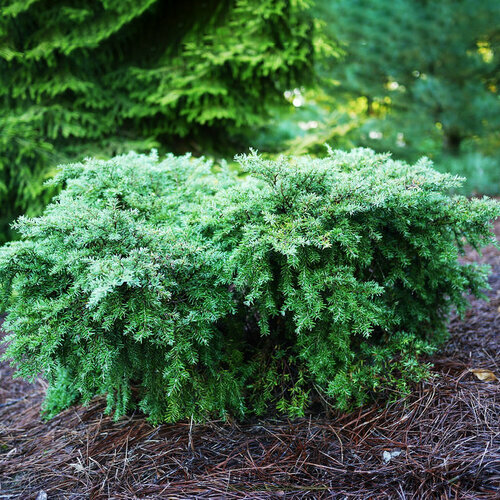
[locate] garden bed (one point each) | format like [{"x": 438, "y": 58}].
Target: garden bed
[{"x": 442, "y": 441}]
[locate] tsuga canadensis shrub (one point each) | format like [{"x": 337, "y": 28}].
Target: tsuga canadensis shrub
[{"x": 189, "y": 290}]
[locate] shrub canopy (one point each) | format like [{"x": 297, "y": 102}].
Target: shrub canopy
[{"x": 178, "y": 286}]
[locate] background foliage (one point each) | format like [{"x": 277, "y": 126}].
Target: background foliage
[
  {"x": 198, "y": 294},
  {"x": 411, "y": 77},
  {"x": 101, "y": 77}
]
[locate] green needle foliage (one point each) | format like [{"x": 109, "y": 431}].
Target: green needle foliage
[
  {"x": 100, "y": 77},
  {"x": 428, "y": 71},
  {"x": 415, "y": 77},
  {"x": 180, "y": 288}
]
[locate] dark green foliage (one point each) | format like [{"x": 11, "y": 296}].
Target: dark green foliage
[
  {"x": 426, "y": 69},
  {"x": 181, "y": 288},
  {"x": 90, "y": 77}
]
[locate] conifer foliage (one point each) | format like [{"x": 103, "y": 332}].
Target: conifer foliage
[
  {"x": 427, "y": 72},
  {"x": 87, "y": 77},
  {"x": 187, "y": 291}
]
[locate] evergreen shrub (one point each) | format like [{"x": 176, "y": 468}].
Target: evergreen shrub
[{"x": 188, "y": 290}]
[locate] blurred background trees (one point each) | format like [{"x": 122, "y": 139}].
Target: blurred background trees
[
  {"x": 100, "y": 77},
  {"x": 424, "y": 69},
  {"x": 414, "y": 77}
]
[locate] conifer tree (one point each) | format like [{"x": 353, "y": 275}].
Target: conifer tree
[
  {"x": 428, "y": 71},
  {"x": 105, "y": 76}
]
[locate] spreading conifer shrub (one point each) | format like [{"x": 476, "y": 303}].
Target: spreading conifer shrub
[{"x": 187, "y": 290}]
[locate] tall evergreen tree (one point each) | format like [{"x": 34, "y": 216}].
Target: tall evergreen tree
[
  {"x": 79, "y": 77},
  {"x": 427, "y": 71}
]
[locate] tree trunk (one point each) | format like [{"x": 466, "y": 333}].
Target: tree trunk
[{"x": 452, "y": 141}]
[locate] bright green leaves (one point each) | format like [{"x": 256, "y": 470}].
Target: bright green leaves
[{"x": 103, "y": 77}]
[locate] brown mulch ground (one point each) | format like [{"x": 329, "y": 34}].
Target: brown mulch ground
[{"x": 441, "y": 442}]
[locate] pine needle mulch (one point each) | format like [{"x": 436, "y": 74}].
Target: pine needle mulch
[{"x": 441, "y": 442}]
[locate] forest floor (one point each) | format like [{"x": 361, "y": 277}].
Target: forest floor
[{"x": 443, "y": 441}]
